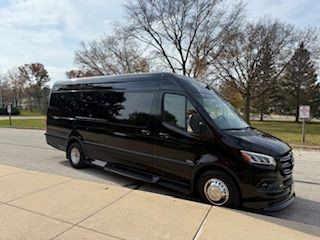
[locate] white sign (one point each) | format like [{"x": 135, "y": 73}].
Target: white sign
[
  {"x": 9, "y": 108},
  {"x": 304, "y": 112}
]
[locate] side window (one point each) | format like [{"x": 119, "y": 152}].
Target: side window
[
  {"x": 174, "y": 110},
  {"x": 179, "y": 112},
  {"x": 63, "y": 104},
  {"x": 132, "y": 108}
]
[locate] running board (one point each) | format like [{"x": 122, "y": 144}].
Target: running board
[
  {"x": 98, "y": 163},
  {"x": 141, "y": 176},
  {"x": 184, "y": 188},
  {"x": 124, "y": 171}
]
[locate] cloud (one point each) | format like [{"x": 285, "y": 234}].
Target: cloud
[
  {"x": 300, "y": 13},
  {"x": 49, "y": 31}
]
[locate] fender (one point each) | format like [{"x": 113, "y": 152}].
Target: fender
[{"x": 207, "y": 162}]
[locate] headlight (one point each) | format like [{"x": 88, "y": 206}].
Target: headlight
[{"x": 258, "y": 158}]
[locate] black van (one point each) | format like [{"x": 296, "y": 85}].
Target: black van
[{"x": 171, "y": 130}]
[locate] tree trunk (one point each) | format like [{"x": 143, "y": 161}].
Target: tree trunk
[
  {"x": 261, "y": 115},
  {"x": 39, "y": 103},
  {"x": 247, "y": 109},
  {"x": 297, "y": 106},
  {"x": 297, "y": 113},
  {"x": 262, "y": 109}
]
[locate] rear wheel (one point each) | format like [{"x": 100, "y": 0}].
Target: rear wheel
[
  {"x": 76, "y": 156},
  {"x": 217, "y": 188}
]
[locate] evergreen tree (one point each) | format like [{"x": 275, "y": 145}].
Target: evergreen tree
[
  {"x": 300, "y": 82},
  {"x": 266, "y": 81}
]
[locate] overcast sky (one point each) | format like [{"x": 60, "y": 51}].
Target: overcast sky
[{"x": 49, "y": 31}]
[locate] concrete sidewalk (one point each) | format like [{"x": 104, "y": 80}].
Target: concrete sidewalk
[{"x": 35, "y": 205}]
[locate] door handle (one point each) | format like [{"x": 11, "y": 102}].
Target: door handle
[{"x": 145, "y": 132}]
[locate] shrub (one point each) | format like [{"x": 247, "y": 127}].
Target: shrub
[{"x": 14, "y": 111}]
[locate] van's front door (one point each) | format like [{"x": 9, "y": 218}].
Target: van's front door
[{"x": 179, "y": 143}]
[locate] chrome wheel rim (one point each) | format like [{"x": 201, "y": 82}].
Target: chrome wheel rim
[
  {"x": 75, "y": 155},
  {"x": 216, "y": 191}
]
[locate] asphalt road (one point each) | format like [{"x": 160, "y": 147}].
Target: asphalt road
[{"x": 27, "y": 149}]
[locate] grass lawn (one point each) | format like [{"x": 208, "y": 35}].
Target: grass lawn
[
  {"x": 290, "y": 132},
  {"x": 24, "y": 123},
  {"x": 29, "y": 113}
]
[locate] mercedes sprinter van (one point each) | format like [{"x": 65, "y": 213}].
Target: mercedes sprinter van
[{"x": 172, "y": 130}]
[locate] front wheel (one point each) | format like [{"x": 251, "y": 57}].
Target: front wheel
[
  {"x": 217, "y": 188},
  {"x": 76, "y": 156}
]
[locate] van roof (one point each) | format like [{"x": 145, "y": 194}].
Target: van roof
[
  {"x": 115, "y": 78},
  {"x": 160, "y": 80}
]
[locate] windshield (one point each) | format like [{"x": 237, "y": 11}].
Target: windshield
[{"x": 221, "y": 112}]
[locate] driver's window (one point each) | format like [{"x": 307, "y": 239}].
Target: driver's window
[{"x": 179, "y": 112}]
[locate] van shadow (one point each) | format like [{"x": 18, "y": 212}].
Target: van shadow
[
  {"x": 96, "y": 174},
  {"x": 301, "y": 211}
]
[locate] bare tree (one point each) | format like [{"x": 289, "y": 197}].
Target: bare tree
[
  {"x": 185, "y": 34},
  {"x": 5, "y": 94},
  {"x": 17, "y": 84},
  {"x": 1, "y": 91},
  {"x": 35, "y": 76},
  {"x": 232, "y": 94},
  {"x": 254, "y": 58},
  {"x": 114, "y": 54},
  {"x": 77, "y": 73}
]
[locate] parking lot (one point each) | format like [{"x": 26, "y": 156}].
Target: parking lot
[{"x": 27, "y": 149}]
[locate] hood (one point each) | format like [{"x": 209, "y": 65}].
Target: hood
[{"x": 253, "y": 140}]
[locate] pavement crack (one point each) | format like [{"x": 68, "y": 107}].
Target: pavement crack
[
  {"x": 307, "y": 182},
  {"x": 13, "y": 173},
  {"x": 37, "y": 213},
  {"x": 92, "y": 214},
  {"x": 199, "y": 230},
  {"x": 100, "y": 232},
  {"x": 39, "y": 190}
]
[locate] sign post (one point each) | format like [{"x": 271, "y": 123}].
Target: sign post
[
  {"x": 304, "y": 113},
  {"x": 9, "y": 112}
]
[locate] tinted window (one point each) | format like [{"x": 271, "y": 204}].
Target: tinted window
[
  {"x": 174, "y": 110},
  {"x": 94, "y": 105},
  {"x": 63, "y": 104},
  {"x": 133, "y": 108},
  {"x": 180, "y": 112}
]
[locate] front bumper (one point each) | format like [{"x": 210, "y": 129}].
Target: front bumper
[
  {"x": 281, "y": 205},
  {"x": 271, "y": 205}
]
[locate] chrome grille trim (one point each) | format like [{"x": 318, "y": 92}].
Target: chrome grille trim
[{"x": 287, "y": 164}]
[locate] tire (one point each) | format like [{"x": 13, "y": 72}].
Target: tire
[
  {"x": 221, "y": 190},
  {"x": 76, "y": 156}
]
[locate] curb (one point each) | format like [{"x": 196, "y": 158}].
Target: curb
[
  {"x": 26, "y": 128},
  {"x": 305, "y": 147}
]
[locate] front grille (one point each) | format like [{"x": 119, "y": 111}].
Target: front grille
[{"x": 287, "y": 163}]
